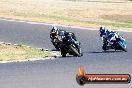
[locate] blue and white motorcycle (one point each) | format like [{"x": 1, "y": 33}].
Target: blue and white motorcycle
[{"x": 114, "y": 41}]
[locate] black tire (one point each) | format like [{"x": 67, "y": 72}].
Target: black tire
[
  {"x": 123, "y": 48},
  {"x": 75, "y": 51}
]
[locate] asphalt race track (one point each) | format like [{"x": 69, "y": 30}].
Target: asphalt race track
[{"x": 60, "y": 72}]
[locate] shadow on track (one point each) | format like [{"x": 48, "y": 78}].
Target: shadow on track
[
  {"x": 67, "y": 56},
  {"x": 104, "y": 52},
  {"x": 55, "y": 50}
]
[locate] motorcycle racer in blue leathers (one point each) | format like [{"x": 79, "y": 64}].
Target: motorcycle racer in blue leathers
[{"x": 109, "y": 37}]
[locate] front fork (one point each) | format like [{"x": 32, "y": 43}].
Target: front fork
[{"x": 76, "y": 43}]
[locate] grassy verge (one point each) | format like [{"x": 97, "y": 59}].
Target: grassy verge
[
  {"x": 21, "y": 52},
  {"x": 68, "y": 19}
]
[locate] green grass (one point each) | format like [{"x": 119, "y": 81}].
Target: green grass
[{"x": 11, "y": 52}]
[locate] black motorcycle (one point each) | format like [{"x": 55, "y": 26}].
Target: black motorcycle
[{"x": 69, "y": 45}]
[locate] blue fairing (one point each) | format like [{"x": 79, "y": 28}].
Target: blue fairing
[
  {"x": 122, "y": 42},
  {"x": 112, "y": 34}
]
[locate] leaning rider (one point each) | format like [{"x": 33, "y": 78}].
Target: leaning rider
[
  {"x": 55, "y": 32},
  {"x": 107, "y": 35}
]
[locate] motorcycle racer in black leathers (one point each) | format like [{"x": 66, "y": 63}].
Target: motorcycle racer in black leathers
[
  {"x": 55, "y": 33},
  {"x": 62, "y": 39}
]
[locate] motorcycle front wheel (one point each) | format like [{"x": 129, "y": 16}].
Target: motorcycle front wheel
[
  {"x": 122, "y": 47},
  {"x": 75, "y": 51}
]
